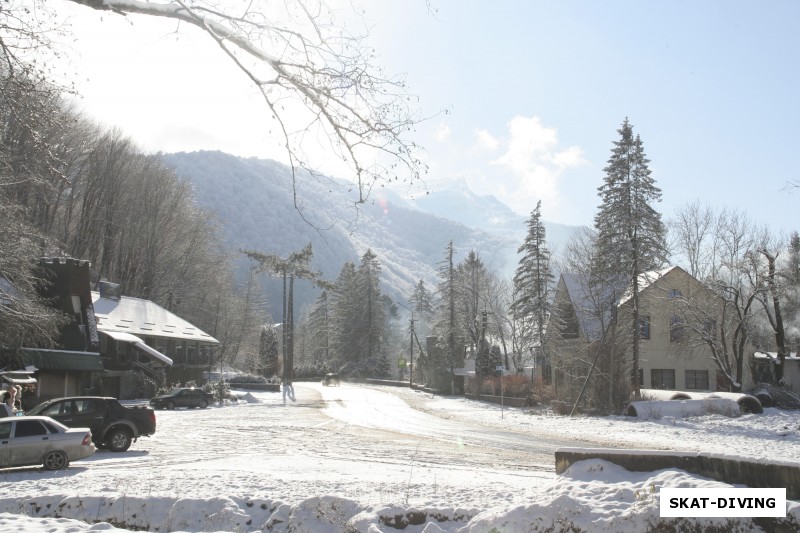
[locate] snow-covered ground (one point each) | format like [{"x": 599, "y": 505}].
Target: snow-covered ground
[{"x": 359, "y": 458}]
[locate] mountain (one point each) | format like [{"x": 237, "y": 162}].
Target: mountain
[
  {"x": 252, "y": 200},
  {"x": 454, "y": 200}
]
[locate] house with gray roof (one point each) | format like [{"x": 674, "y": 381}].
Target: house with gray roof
[
  {"x": 590, "y": 330},
  {"x": 137, "y": 334}
]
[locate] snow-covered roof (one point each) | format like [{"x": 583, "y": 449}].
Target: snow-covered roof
[
  {"x": 645, "y": 280},
  {"x": 792, "y": 356},
  {"x": 587, "y": 305},
  {"x": 143, "y": 318}
]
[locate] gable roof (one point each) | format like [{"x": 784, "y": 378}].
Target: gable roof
[
  {"x": 143, "y": 318},
  {"x": 645, "y": 281},
  {"x": 586, "y": 305}
]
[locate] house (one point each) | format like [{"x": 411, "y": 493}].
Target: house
[
  {"x": 672, "y": 354},
  {"x": 74, "y": 367},
  {"x": 140, "y": 335}
]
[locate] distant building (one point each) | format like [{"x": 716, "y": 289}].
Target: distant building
[{"x": 137, "y": 334}]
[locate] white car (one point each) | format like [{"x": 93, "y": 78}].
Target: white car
[{"x": 40, "y": 440}]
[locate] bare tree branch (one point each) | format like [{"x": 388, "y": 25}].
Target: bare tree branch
[{"x": 297, "y": 51}]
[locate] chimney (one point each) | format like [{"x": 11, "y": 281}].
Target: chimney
[{"x": 109, "y": 290}]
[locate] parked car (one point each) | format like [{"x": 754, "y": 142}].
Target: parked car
[
  {"x": 330, "y": 379},
  {"x": 183, "y": 397},
  {"x": 40, "y": 440},
  {"x": 113, "y": 425}
]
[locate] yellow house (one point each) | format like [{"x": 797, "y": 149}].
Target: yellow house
[{"x": 591, "y": 330}]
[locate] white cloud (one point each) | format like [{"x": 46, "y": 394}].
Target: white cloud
[
  {"x": 443, "y": 132},
  {"x": 486, "y": 141},
  {"x": 535, "y": 162}
]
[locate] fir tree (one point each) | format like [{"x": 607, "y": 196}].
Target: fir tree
[
  {"x": 440, "y": 365},
  {"x": 345, "y": 306},
  {"x": 630, "y": 234},
  {"x": 373, "y": 323},
  {"x": 267, "y": 353},
  {"x": 319, "y": 319},
  {"x": 422, "y": 305},
  {"x": 533, "y": 284}
]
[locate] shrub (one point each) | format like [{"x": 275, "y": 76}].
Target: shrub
[
  {"x": 248, "y": 378},
  {"x": 374, "y": 367}
]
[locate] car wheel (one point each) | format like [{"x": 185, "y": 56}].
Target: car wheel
[
  {"x": 203, "y": 404},
  {"x": 170, "y": 405},
  {"x": 118, "y": 439},
  {"x": 55, "y": 460}
]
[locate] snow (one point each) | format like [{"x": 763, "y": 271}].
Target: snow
[{"x": 369, "y": 459}]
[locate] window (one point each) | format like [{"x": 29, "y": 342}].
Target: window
[
  {"x": 180, "y": 354},
  {"x": 677, "y": 330},
  {"x": 191, "y": 353},
  {"x": 5, "y": 430},
  {"x": 674, "y": 293},
  {"x": 85, "y": 406},
  {"x": 644, "y": 327},
  {"x": 710, "y": 328},
  {"x": 697, "y": 379},
  {"x": 569, "y": 322},
  {"x": 662, "y": 378},
  {"x": 50, "y": 427},
  {"x": 29, "y": 428}
]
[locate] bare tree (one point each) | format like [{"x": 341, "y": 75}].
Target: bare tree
[
  {"x": 733, "y": 272},
  {"x": 691, "y": 230},
  {"x": 299, "y": 52}
]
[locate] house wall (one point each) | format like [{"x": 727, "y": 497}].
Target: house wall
[
  {"x": 663, "y": 303},
  {"x": 568, "y": 356},
  {"x": 55, "y": 384},
  {"x": 572, "y": 357}
]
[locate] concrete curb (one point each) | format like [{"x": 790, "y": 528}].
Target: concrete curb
[{"x": 728, "y": 469}]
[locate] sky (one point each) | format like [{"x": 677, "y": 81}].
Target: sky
[
  {"x": 289, "y": 475},
  {"x": 534, "y": 92}
]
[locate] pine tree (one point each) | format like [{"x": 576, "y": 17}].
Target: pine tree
[
  {"x": 297, "y": 265},
  {"x": 630, "y": 234},
  {"x": 533, "y": 285},
  {"x": 319, "y": 320},
  {"x": 267, "y": 364},
  {"x": 345, "y": 306},
  {"x": 373, "y": 319},
  {"x": 440, "y": 365},
  {"x": 422, "y": 305}
]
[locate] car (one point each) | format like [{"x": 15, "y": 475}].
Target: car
[
  {"x": 114, "y": 426},
  {"x": 183, "y": 397},
  {"x": 40, "y": 440},
  {"x": 330, "y": 379}
]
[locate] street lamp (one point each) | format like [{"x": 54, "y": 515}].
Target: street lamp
[{"x": 410, "y": 347}]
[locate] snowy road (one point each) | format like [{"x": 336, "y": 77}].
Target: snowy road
[
  {"x": 375, "y": 454},
  {"x": 352, "y": 441}
]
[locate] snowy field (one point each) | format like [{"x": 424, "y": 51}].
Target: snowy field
[{"x": 370, "y": 459}]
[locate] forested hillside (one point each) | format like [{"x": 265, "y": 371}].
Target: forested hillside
[{"x": 252, "y": 199}]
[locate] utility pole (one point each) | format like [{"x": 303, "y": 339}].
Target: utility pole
[
  {"x": 411, "y": 353},
  {"x": 410, "y": 346}
]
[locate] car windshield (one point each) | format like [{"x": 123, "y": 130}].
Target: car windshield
[{"x": 39, "y": 408}]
